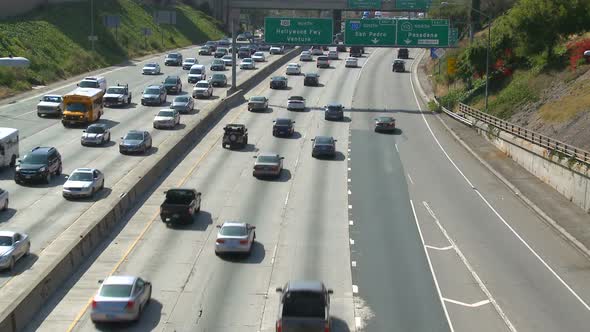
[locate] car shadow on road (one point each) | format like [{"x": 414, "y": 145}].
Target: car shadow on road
[
  {"x": 22, "y": 265},
  {"x": 248, "y": 148},
  {"x": 7, "y": 214},
  {"x": 339, "y": 325},
  {"x": 319, "y": 85},
  {"x": 396, "y": 131},
  {"x": 265, "y": 111},
  {"x": 109, "y": 123},
  {"x": 104, "y": 145},
  {"x": 101, "y": 194},
  {"x": 256, "y": 256},
  {"x": 285, "y": 176},
  {"x": 200, "y": 222},
  {"x": 56, "y": 181},
  {"x": 7, "y": 174},
  {"x": 148, "y": 321},
  {"x": 338, "y": 156},
  {"x": 295, "y": 135}
]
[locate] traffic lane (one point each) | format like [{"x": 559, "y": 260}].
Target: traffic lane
[
  {"x": 384, "y": 228},
  {"x": 28, "y": 202},
  {"x": 201, "y": 169},
  {"x": 514, "y": 275}
]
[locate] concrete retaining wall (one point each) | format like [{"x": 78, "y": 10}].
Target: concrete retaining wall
[
  {"x": 22, "y": 297},
  {"x": 569, "y": 178}
]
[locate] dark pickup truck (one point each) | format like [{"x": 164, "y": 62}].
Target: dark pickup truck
[
  {"x": 180, "y": 205},
  {"x": 304, "y": 307}
]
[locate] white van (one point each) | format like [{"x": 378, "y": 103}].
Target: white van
[
  {"x": 8, "y": 146},
  {"x": 197, "y": 73},
  {"x": 94, "y": 82}
]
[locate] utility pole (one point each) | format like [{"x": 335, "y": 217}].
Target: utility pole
[{"x": 92, "y": 24}]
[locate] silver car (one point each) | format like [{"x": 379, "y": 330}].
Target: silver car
[
  {"x": 189, "y": 62},
  {"x": 203, "y": 89},
  {"x": 13, "y": 246},
  {"x": 305, "y": 56},
  {"x": 120, "y": 298},
  {"x": 247, "y": 63},
  {"x": 167, "y": 118},
  {"x": 96, "y": 134},
  {"x": 183, "y": 104},
  {"x": 83, "y": 182},
  {"x": 151, "y": 68},
  {"x": 235, "y": 237},
  {"x": 52, "y": 105},
  {"x": 296, "y": 103},
  {"x": 268, "y": 164},
  {"x": 258, "y": 57}
]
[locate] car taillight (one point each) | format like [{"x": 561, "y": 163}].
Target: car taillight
[
  {"x": 243, "y": 241},
  {"x": 130, "y": 304},
  {"x": 279, "y": 326},
  {"x": 220, "y": 241},
  {"x": 327, "y": 327},
  {"x": 94, "y": 304}
]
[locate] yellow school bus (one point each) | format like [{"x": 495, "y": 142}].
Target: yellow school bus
[{"x": 82, "y": 106}]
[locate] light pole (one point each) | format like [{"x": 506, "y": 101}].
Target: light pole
[
  {"x": 444, "y": 4},
  {"x": 92, "y": 24}
]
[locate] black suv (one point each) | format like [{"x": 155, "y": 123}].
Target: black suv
[
  {"x": 236, "y": 135},
  {"x": 173, "y": 84},
  {"x": 334, "y": 112},
  {"x": 398, "y": 65},
  {"x": 311, "y": 79},
  {"x": 356, "y": 51},
  {"x": 39, "y": 164},
  {"x": 403, "y": 53}
]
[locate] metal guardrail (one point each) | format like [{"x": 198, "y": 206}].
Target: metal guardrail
[
  {"x": 456, "y": 116},
  {"x": 549, "y": 143}
]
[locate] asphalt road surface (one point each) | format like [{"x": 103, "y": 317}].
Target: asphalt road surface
[
  {"x": 410, "y": 231},
  {"x": 39, "y": 209}
]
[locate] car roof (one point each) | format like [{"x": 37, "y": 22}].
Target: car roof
[
  {"x": 385, "y": 118},
  {"x": 119, "y": 280},
  {"x": 7, "y": 233},
  {"x": 234, "y": 223},
  {"x": 203, "y": 81},
  {"x": 296, "y": 98},
  {"x": 312, "y": 74},
  {"x": 41, "y": 150},
  {"x": 306, "y": 285},
  {"x": 278, "y": 78},
  {"x": 83, "y": 170},
  {"x": 283, "y": 119},
  {"x": 268, "y": 154},
  {"x": 151, "y": 63},
  {"x": 173, "y": 76},
  {"x": 157, "y": 86},
  {"x": 323, "y": 139},
  {"x": 293, "y": 64},
  {"x": 136, "y": 131},
  {"x": 52, "y": 96},
  {"x": 334, "y": 105}
]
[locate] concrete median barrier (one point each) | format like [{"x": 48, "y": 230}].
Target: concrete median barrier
[{"x": 24, "y": 295}]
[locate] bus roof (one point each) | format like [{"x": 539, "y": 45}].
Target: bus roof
[
  {"x": 85, "y": 92},
  {"x": 4, "y": 132}
]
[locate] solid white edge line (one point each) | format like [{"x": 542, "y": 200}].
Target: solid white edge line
[
  {"x": 396, "y": 149},
  {"x": 493, "y": 209},
  {"x": 439, "y": 248},
  {"x": 471, "y": 270},
  {"x": 355, "y": 289},
  {"x": 350, "y": 222},
  {"x": 358, "y": 323},
  {"x": 353, "y": 263},
  {"x": 410, "y": 178},
  {"x": 351, "y": 241},
  {"x": 442, "y": 302}
]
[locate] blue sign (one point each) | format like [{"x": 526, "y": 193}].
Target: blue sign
[{"x": 355, "y": 26}]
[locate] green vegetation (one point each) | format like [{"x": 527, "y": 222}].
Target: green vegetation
[
  {"x": 530, "y": 42},
  {"x": 55, "y": 39}
]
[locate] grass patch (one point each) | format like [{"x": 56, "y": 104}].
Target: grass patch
[
  {"x": 55, "y": 39},
  {"x": 516, "y": 93},
  {"x": 569, "y": 105}
]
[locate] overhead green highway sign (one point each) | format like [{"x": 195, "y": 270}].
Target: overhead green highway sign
[
  {"x": 298, "y": 31},
  {"x": 364, "y": 4},
  {"x": 423, "y": 33},
  {"x": 412, "y": 4},
  {"x": 378, "y": 32}
]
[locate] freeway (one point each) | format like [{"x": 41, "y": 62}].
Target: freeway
[
  {"x": 40, "y": 210},
  {"x": 410, "y": 231}
]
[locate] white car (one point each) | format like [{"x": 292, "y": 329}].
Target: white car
[
  {"x": 293, "y": 69},
  {"x": 50, "y": 105},
  {"x": 247, "y": 63},
  {"x": 351, "y": 62},
  {"x": 96, "y": 134},
  {"x": 317, "y": 51},
  {"x": 333, "y": 55},
  {"x": 305, "y": 56},
  {"x": 167, "y": 118},
  {"x": 120, "y": 298},
  {"x": 151, "y": 68},
  {"x": 203, "y": 89},
  {"x": 296, "y": 103},
  {"x": 189, "y": 62},
  {"x": 235, "y": 237},
  {"x": 83, "y": 182},
  {"x": 227, "y": 59},
  {"x": 276, "y": 50},
  {"x": 258, "y": 57}
]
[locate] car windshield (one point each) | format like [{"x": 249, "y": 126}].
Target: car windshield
[
  {"x": 259, "y": 54},
  {"x": 88, "y": 84},
  {"x": 173, "y": 55},
  {"x": 296, "y": 98},
  {"x": 182, "y": 99},
  {"x": 218, "y": 62},
  {"x": 384, "y": 119},
  {"x": 334, "y": 107},
  {"x": 195, "y": 71},
  {"x": 323, "y": 140},
  {"x": 80, "y": 176},
  {"x": 76, "y": 107},
  {"x": 171, "y": 80},
  {"x": 247, "y": 60},
  {"x": 117, "y": 90},
  {"x": 134, "y": 136},
  {"x": 233, "y": 231},
  {"x": 150, "y": 65},
  {"x": 399, "y": 62},
  {"x": 322, "y": 58},
  {"x": 257, "y": 98},
  {"x": 283, "y": 122},
  {"x": 268, "y": 159},
  {"x": 190, "y": 60},
  {"x": 168, "y": 114},
  {"x": 116, "y": 290},
  {"x": 202, "y": 85},
  {"x": 35, "y": 159},
  {"x": 279, "y": 78},
  {"x": 5, "y": 241},
  {"x": 227, "y": 57},
  {"x": 53, "y": 99},
  {"x": 152, "y": 91},
  {"x": 95, "y": 130},
  {"x": 218, "y": 77}
]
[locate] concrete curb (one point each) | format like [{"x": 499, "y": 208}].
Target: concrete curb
[
  {"x": 22, "y": 298},
  {"x": 547, "y": 219}
]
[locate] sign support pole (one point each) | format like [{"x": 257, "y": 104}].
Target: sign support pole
[{"x": 233, "y": 54}]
